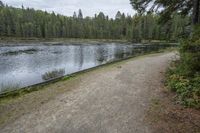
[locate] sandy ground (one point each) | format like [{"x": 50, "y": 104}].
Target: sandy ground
[{"x": 111, "y": 99}]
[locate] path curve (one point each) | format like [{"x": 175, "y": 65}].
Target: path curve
[{"x": 112, "y": 99}]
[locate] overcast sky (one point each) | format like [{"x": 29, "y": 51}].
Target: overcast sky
[{"x": 67, "y": 7}]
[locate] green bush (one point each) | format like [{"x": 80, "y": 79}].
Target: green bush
[
  {"x": 190, "y": 57},
  {"x": 187, "y": 88},
  {"x": 184, "y": 78}
]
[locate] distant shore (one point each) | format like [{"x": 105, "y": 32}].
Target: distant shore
[
  {"x": 11, "y": 40},
  {"x": 57, "y": 41}
]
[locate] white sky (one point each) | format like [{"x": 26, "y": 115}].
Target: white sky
[{"x": 67, "y": 7}]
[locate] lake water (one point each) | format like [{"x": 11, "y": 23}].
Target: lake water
[{"x": 30, "y": 64}]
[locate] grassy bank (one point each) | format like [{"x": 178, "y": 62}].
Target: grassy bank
[{"x": 18, "y": 92}]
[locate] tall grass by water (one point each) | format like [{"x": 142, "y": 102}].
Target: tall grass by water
[{"x": 53, "y": 74}]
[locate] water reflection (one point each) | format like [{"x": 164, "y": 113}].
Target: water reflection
[{"x": 26, "y": 69}]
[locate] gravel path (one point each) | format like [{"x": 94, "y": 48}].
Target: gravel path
[{"x": 111, "y": 99}]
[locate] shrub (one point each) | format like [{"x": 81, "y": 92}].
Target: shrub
[
  {"x": 187, "y": 88},
  {"x": 184, "y": 78},
  {"x": 190, "y": 54}
]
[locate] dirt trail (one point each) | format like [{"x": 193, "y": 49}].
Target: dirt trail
[{"x": 111, "y": 99}]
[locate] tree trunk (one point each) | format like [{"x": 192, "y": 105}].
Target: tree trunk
[{"x": 196, "y": 14}]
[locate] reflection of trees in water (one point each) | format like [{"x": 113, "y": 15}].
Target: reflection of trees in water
[
  {"x": 128, "y": 51},
  {"x": 141, "y": 49},
  {"x": 131, "y": 52},
  {"x": 112, "y": 52},
  {"x": 45, "y": 59},
  {"x": 79, "y": 56},
  {"x": 125, "y": 51},
  {"x": 101, "y": 53},
  {"x": 119, "y": 52},
  {"x": 65, "y": 54}
]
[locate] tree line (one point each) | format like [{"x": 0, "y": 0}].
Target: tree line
[{"x": 27, "y": 22}]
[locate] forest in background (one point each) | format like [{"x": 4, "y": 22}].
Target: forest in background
[{"x": 30, "y": 23}]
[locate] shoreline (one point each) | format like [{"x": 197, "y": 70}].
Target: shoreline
[
  {"x": 50, "y": 41},
  {"x": 11, "y": 41}
]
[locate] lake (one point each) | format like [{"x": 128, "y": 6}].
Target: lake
[{"x": 30, "y": 64}]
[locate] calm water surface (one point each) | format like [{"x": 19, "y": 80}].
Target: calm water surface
[{"x": 26, "y": 65}]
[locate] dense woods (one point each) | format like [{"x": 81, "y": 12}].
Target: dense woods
[{"x": 21, "y": 22}]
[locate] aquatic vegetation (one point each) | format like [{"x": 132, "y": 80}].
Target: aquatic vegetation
[
  {"x": 53, "y": 74},
  {"x": 101, "y": 59},
  {"x": 57, "y": 52},
  {"x": 27, "y": 51}
]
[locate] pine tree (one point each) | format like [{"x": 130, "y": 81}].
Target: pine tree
[
  {"x": 74, "y": 15},
  {"x": 118, "y": 15},
  {"x": 33, "y": 23},
  {"x": 80, "y": 14}
]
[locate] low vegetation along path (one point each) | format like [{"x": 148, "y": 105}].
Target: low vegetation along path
[{"x": 110, "y": 99}]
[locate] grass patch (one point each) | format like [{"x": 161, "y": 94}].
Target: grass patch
[
  {"x": 67, "y": 77},
  {"x": 17, "y": 93}
]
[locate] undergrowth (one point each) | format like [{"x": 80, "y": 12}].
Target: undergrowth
[{"x": 184, "y": 75}]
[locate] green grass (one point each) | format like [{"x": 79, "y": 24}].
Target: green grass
[{"x": 17, "y": 93}]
